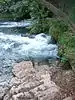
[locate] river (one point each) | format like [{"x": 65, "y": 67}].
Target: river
[{"x": 16, "y": 45}]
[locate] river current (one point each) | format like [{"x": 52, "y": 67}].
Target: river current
[{"x": 16, "y": 45}]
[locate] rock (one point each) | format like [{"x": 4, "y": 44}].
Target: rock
[
  {"x": 32, "y": 83},
  {"x": 3, "y": 91},
  {"x": 66, "y": 65},
  {"x": 15, "y": 81},
  {"x": 22, "y": 69},
  {"x": 7, "y": 96},
  {"x": 68, "y": 98},
  {"x": 40, "y": 83},
  {"x": 19, "y": 96},
  {"x": 28, "y": 35}
]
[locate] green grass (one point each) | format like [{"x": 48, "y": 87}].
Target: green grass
[{"x": 62, "y": 33}]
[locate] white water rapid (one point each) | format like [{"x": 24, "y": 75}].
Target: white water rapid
[{"x": 15, "y": 48}]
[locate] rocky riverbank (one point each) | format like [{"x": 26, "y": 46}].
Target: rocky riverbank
[{"x": 39, "y": 83}]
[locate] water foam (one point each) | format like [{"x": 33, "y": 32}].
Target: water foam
[
  {"x": 15, "y": 24},
  {"x": 38, "y": 47}
]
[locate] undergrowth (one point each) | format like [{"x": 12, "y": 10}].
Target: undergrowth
[{"x": 61, "y": 32}]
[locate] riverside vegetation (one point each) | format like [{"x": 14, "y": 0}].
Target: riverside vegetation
[{"x": 45, "y": 21}]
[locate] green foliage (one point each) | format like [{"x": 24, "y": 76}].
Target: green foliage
[
  {"x": 57, "y": 28},
  {"x": 38, "y": 11},
  {"x": 6, "y": 16},
  {"x": 64, "y": 60},
  {"x": 49, "y": 25},
  {"x": 40, "y": 26},
  {"x": 62, "y": 34},
  {"x": 20, "y": 10},
  {"x": 17, "y": 8}
]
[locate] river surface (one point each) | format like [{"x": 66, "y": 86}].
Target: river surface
[{"x": 16, "y": 45}]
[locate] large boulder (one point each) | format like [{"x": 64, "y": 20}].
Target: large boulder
[
  {"x": 31, "y": 83},
  {"x": 40, "y": 83}
]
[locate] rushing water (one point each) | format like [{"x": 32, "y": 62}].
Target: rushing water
[{"x": 15, "y": 47}]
